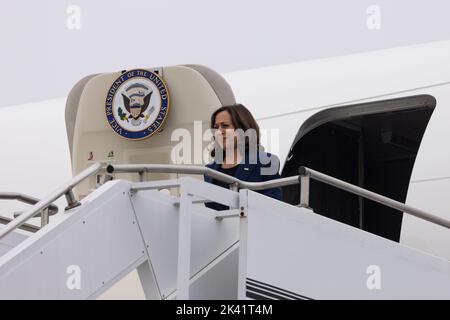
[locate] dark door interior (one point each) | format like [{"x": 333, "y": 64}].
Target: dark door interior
[{"x": 375, "y": 151}]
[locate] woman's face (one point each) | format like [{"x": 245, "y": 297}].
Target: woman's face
[{"x": 224, "y": 134}]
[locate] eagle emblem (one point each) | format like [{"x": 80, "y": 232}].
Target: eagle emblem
[
  {"x": 136, "y": 100},
  {"x": 137, "y": 104}
]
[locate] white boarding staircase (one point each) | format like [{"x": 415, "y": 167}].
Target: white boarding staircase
[{"x": 260, "y": 248}]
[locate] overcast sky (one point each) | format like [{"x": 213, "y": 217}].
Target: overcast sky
[{"x": 48, "y": 45}]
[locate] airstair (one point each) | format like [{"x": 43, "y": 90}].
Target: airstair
[{"x": 260, "y": 248}]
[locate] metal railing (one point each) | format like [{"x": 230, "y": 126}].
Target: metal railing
[
  {"x": 66, "y": 190},
  {"x": 305, "y": 174},
  {"x": 25, "y": 226},
  {"x": 44, "y": 214},
  {"x": 193, "y": 169}
]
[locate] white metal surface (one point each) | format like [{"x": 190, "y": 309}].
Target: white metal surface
[
  {"x": 100, "y": 238},
  {"x": 158, "y": 219},
  {"x": 115, "y": 231},
  {"x": 10, "y": 241},
  {"x": 306, "y": 255}
]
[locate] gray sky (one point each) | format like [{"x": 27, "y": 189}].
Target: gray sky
[{"x": 42, "y": 58}]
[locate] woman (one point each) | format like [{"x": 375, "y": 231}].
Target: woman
[{"x": 237, "y": 151}]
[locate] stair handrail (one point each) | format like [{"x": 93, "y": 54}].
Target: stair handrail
[
  {"x": 65, "y": 189},
  {"x": 305, "y": 174}
]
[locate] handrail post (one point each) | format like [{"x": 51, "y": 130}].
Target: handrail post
[
  {"x": 72, "y": 202},
  {"x": 44, "y": 217},
  {"x": 141, "y": 176},
  {"x": 234, "y": 186},
  {"x": 304, "y": 179},
  {"x": 184, "y": 241}
]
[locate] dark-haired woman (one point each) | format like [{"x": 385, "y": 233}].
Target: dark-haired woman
[{"x": 238, "y": 152}]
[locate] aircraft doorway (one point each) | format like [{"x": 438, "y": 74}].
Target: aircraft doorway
[{"x": 372, "y": 145}]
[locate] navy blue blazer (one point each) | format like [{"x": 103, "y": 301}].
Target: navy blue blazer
[{"x": 251, "y": 172}]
